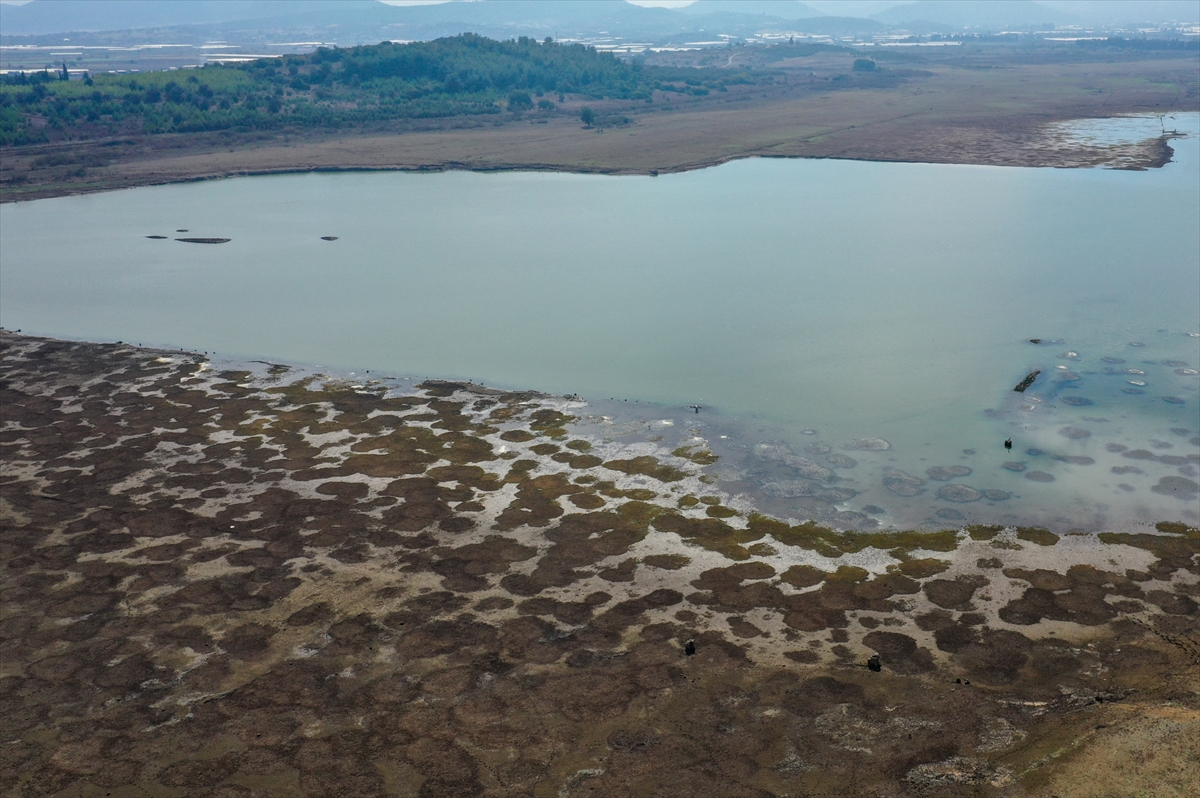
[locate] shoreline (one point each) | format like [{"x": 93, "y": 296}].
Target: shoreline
[
  {"x": 699, "y": 136},
  {"x": 1144, "y": 156},
  {"x": 317, "y": 582},
  {"x": 271, "y": 532}
]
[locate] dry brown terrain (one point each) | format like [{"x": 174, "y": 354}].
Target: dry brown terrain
[
  {"x": 991, "y": 112},
  {"x": 225, "y": 582}
]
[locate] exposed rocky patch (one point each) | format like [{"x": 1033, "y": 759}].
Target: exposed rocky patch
[{"x": 239, "y": 582}]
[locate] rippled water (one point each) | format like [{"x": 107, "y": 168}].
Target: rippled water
[{"x": 848, "y": 300}]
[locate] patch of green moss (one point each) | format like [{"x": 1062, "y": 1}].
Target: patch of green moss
[
  {"x": 697, "y": 454},
  {"x": 830, "y": 543},
  {"x": 1183, "y": 546},
  {"x": 983, "y": 531},
  {"x": 459, "y": 448},
  {"x": 507, "y": 413},
  {"x": 646, "y": 466},
  {"x": 472, "y": 476},
  {"x": 520, "y": 469},
  {"x": 544, "y": 449},
  {"x": 549, "y": 421},
  {"x": 579, "y": 446},
  {"x": 1035, "y": 534},
  {"x": 638, "y": 514},
  {"x": 711, "y": 501},
  {"x": 849, "y": 574},
  {"x": 583, "y": 461},
  {"x": 920, "y": 569},
  {"x": 803, "y": 576},
  {"x": 587, "y": 501},
  {"x": 1176, "y": 528},
  {"x": 762, "y": 550},
  {"x": 806, "y": 536},
  {"x": 688, "y": 501},
  {"x": 517, "y": 435},
  {"x": 668, "y": 562},
  {"x": 640, "y": 494},
  {"x": 710, "y": 533},
  {"x": 720, "y": 511}
]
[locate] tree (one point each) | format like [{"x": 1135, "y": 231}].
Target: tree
[
  {"x": 588, "y": 116},
  {"x": 864, "y": 65},
  {"x": 64, "y": 75},
  {"x": 519, "y": 101}
]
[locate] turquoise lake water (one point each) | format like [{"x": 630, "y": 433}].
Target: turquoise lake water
[{"x": 804, "y": 304}]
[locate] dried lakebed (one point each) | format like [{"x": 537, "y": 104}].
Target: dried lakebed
[{"x": 249, "y": 582}]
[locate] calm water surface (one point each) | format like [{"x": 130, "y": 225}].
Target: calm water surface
[{"x": 856, "y": 300}]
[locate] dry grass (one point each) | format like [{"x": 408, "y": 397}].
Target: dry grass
[{"x": 945, "y": 114}]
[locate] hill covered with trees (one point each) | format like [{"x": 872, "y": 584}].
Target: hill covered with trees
[{"x": 333, "y": 87}]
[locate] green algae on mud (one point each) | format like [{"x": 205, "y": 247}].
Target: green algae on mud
[{"x": 227, "y": 576}]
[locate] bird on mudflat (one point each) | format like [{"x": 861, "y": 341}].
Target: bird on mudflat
[{"x": 1008, "y": 443}]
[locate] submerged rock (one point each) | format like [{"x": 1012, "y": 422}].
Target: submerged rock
[
  {"x": 902, "y": 484},
  {"x": 947, "y": 473},
  {"x": 1175, "y": 400},
  {"x": 950, "y": 514},
  {"x": 799, "y": 488},
  {"x": 841, "y": 461},
  {"x": 780, "y": 453},
  {"x": 1113, "y": 359},
  {"x": 961, "y": 494},
  {"x": 1074, "y": 433},
  {"x": 1074, "y": 459},
  {"x": 1039, "y": 476},
  {"x": 997, "y": 495},
  {"x": 867, "y": 445},
  {"x": 1076, "y": 401},
  {"x": 818, "y": 448},
  {"x": 1179, "y": 487},
  {"x": 1014, "y": 466},
  {"x": 1025, "y": 383}
]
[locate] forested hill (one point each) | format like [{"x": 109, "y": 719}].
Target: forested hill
[{"x": 466, "y": 74}]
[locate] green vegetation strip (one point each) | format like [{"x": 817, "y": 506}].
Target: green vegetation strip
[{"x": 332, "y": 87}]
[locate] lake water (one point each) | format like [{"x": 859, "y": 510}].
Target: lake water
[{"x": 804, "y": 304}]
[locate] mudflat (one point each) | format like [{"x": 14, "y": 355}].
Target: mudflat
[
  {"x": 243, "y": 579},
  {"x": 995, "y": 108}
]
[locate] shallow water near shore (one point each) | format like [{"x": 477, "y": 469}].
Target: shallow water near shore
[{"x": 804, "y": 305}]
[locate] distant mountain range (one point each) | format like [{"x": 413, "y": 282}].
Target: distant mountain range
[{"x": 571, "y": 17}]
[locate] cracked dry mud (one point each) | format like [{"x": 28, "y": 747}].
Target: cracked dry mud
[{"x": 222, "y": 583}]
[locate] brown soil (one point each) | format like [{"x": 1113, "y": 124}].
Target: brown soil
[
  {"x": 223, "y": 583},
  {"x": 990, "y": 112}
]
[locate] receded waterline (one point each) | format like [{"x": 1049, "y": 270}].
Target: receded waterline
[{"x": 859, "y": 300}]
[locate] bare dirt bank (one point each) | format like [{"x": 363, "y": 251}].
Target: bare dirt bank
[{"x": 999, "y": 117}]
